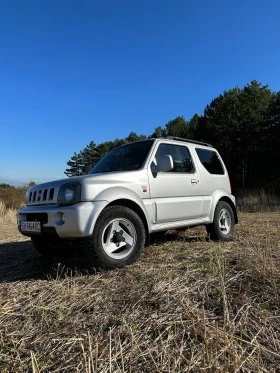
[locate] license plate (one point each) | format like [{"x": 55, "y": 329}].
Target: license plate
[{"x": 30, "y": 226}]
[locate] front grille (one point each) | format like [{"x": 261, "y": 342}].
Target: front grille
[
  {"x": 41, "y": 195},
  {"x": 40, "y": 216}
]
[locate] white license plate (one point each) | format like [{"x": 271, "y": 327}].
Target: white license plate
[{"x": 30, "y": 226}]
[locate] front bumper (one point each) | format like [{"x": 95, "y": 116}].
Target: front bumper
[{"x": 79, "y": 218}]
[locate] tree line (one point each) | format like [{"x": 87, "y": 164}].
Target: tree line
[{"x": 242, "y": 123}]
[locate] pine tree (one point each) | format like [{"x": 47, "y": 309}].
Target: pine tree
[{"x": 75, "y": 165}]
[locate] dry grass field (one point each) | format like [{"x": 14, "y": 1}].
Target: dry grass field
[{"x": 188, "y": 305}]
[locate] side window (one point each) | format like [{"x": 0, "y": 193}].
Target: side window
[
  {"x": 181, "y": 157},
  {"x": 210, "y": 161}
]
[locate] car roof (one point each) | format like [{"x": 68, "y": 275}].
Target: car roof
[{"x": 186, "y": 140}]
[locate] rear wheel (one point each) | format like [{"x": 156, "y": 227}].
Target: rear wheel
[
  {"x": 118, "y": 238},
  {"x": 223, "y": 223}
]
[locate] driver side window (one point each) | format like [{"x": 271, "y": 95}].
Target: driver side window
[{"x": 182, "y": 160}]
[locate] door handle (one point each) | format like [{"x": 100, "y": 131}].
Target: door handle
[{"x": 194, "y": 181}]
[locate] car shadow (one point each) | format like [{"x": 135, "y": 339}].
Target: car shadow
[
  {"x": 20, "y": 262},
  {"x": 178, "y": 236}
]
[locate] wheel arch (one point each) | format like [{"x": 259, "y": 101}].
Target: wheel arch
[
  {"x": 136, "y": 208},
  {"x": 232, "y": 205},
  {"x": 221, "y": 195},
  {"x": 124, "y": 196}
]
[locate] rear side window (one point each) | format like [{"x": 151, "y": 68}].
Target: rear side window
[{"x": 210, "y": 161}]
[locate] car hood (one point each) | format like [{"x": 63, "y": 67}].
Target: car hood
[{"x": 91, "y": 186}]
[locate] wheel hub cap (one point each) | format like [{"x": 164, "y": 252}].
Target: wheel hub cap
[
  {"x": 119, "y": 238},
  {"x": 225, "y": 221}
]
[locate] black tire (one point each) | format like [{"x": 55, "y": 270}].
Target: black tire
[
  {"x": 52, "y": 247},
  {"x": 222, "y": 227},
  {"x": 115, "y": 250}
]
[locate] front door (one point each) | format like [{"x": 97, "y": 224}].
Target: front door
[{"x": 177, "y": 193}]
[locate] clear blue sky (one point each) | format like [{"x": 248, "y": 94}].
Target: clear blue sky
[{"x": 76, "y": 71}]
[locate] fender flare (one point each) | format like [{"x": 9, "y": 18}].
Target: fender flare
[{"x": 126, "y": 196}]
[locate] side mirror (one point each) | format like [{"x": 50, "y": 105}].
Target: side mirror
[{"x": 164, "y": 163}]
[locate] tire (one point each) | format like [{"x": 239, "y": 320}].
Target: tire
[
  {"x": 118, "y": 238},
  {"x": 52, "y": 247},
  {"x": 223, "y": 223}
]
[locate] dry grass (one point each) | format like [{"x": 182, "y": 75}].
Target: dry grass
[
  {"x": 257, "y": 200},
  {"x": 7, "y": 215},
  {"x": 11, "y": 199},
  {"x": 188, "y": 305}
]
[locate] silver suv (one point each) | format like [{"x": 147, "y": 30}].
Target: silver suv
[{"x": 134, "y": 191}]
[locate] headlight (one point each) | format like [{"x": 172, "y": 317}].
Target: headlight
[{"x": 69, "y": 194}]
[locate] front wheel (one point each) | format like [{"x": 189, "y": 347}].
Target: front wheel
[
  {"x": 118, "y": 238},
  {"x": 223, "y": 223}
]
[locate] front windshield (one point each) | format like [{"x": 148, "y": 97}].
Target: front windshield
[{"x": 128, "y": 157}]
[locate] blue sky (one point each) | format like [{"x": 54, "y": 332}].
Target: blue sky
[{"x": 76, "y": 71}]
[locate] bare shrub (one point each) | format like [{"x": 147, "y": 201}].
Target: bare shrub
[
  {"x": 257, "y": 200},
  {"x": 12, "y": 196}
]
